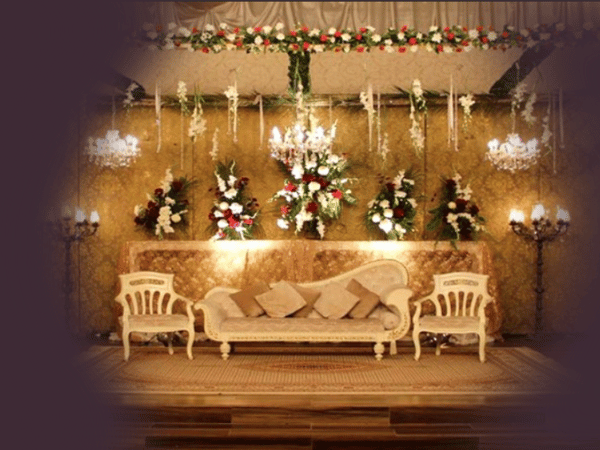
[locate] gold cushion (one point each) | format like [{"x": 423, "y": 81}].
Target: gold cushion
[
  {"x": 367, "y": 303},
  {"x": 281, "y": 301},
  {"x": 310, "y": 296},
  {"x": 335, "y": 301},
  {"x": 245, "y": 299}
]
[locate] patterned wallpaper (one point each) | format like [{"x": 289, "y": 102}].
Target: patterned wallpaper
[{"x": 569, "y": 263}]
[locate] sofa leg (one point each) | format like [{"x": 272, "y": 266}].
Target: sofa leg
[
  {"x": 379, "y": 349},
  {"x": 225, "y": 349}
]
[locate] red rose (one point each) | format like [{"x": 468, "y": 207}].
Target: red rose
[
  {"x": 337, "y": 49},
  {"x": 412, "y": 41},
  {"x": 446, "y": 29},
  {"x": 337, "y": 194},
  {"x": 391, "y": 187},
  {"x": 450, "y": 36},
  {"x": 211, "y": 216},
  {"x": 440, "y": 48},
  {"x": 358, "y": 37},
  {"x": 473, "y": 210},
  {"x": 465, "y": 29},
  {"x": 233, "y": 223},
  {"x": 461, "y": 205},
  {"x": 258, "y": 29},
  {"x": 485, "y": 40},
  {"x": 158, "y": 28},
  {"x": 465, "y": 43},
  {"x": 194, "y": 30},
  {"x": 221, "y": 33},
  {"x": 238, "y": 43},
  {"x": 284, "y": 210},
  {"x": 176, "y": 186},
  {"x": 295, "y": 47},
  {"x": 307, "y": 178},
  {"x": 505, "y": 34},
  {"x": 458, "y": 50},
  {"x": 323, "y": 182},
  {"x": 402, "y": 49},
  {"x": 363, "y": 30},
  {"x": 153, "y": 213},
  {"x": 177, "y": 43},
  {"x": 248, "y": 221},
  {"x": 404, "y": 28},
  {"x": 267, "y": 42},
  {"x": 293, "y": 33},
  {"x": 306, "y": 46},
  {"x": 398, "y": 212},
  {"x": 382, "y": 47},
  {"x": 337, "y": 34},
  {"x": 480, "y": 28},
  {"x": 360, "y": 49},
  {"x": 227, "y": 214},
  {"x": 323, "y": 38},
  {"x": 236, "y": 30},
  {"x": 158, "y": 192},
  {"x": 305, "y": 29},
  {"x": 290, "y": 187},
  {"x": 138, "y": 220},
  {"x": 205, "y": 49},
  {"x": 312, "y": 207}
]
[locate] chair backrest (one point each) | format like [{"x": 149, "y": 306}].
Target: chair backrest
[
  {"x": 148, "y": 292},
  {"x": 459, "y": 293}
]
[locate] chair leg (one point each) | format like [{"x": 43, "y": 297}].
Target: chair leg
[
  {"x": 126, "y": 348},
  {"x": 191, "y": 334},
  {"x": 482, "y": 348},
  {"x": 225, "y": 349},
  {"x": 379, "y": 348},
  {"x": 438, "y": 344},
  {"x": 170, "y": 342},
  {"x": 417, "y": 343}
]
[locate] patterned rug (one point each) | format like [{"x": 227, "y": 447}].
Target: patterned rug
[{"x": 152, "y": 370}]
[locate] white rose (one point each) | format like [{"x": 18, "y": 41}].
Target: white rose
[
  {"x": 218, "y": 213},
  {"x": 185, "y": 32},
  {"x": 345, "y": 37},
  {"x": 492, "y": 35},
  {"x": 400, "y": 36},
  {"x": 230, "y": 37},
  {"x": 175, "y": 218},
  {"x": 231, "y": 193},
  {"x": 376, "y": 38},
  {"x": 297, "y": 171},
  {"x": 279, "y": 26},
  {"x": 388, "y": 213},
  {"x": 236, "y": 208},
  {"x": 282, "y": 224},
  {"x": 400, "y": 194},
  {"x": 267, "y": 29},
  {"x": 437, "y": 38},
  {"x": 473, "y": 34},
  {"x": 386, "y": 225},
  {"x": 224, "y": 206},
  {"x": 452, "y": 205},
  {"x": 333, "y": 159},
  {"x": 524, "y": 32},
  {"x": 250, "y": 30},
  {"x": 137, "y": 210},
  {"x": 313, "y": 186},
  {"x": 376, "y": 218},
  {"x": 331, "y": 31},
  {"x": 384, "y": 203},
  {"x": 222, "y": 223},
  {"x": 311, "y": 164},
  {"x": 280, "y": 36},
  {"x": 223, "y": 26},
  {"x": 258, "y": 40},
  {"x": 323, "y": 170}
]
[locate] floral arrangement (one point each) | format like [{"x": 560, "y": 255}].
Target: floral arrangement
[
  {"x": 417, "y": 106},
  {"x": 197, "y": 125},
  {"x": 466, "y": 102},
  {"x": 303, "y": 39},
  {"x": 166, "y": 207},
  {"x": 128, "y": 100},
  {"x": 315, "y": 188},
  {"x": 232, "y": 108},
  {"x": 457, "y": 217},
  {"x": 233, "y": 215},
  {"x": 393, "y": 210}
]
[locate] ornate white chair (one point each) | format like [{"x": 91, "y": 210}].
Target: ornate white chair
[
  {"x": 147, "y": 299},
  {"x": 459, "y": 299}
]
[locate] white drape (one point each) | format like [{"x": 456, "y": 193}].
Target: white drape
[{"x": 380, "y": 15}]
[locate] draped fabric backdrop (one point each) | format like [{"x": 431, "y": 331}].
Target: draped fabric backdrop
[{"x": 380, "y": 15}]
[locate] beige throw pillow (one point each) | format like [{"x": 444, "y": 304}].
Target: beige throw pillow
[
  {"x": 281, "y": 301},
  {"x": 245, "y": 299},
  {"x": 335, "y": 301},
  {"x": 310, "y": 296},
  {"x": 367, "y": 303}
]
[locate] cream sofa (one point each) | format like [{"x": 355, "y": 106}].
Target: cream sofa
[{"x": 224, "y": 320}]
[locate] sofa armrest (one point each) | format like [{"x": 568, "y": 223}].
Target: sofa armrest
[
  {"x": 396, "y": 299},
  {"x": 214, "y": 315}
]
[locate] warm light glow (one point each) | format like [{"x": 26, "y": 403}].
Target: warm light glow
[
  {"x": 563, "y": 215},
  {"x": 79, "y": 216},
  {"x": 516, "y": 216},
  {"x": 113, "y": 151},
  {"x": 514, "y": 154},
  {"x": 538, "y": 212},
  {"x": 94, "y": 217}
]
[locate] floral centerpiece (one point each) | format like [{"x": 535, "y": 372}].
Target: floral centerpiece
[
  {"x": 315, "y": 188},
  {"x": 457, "y": 217},
  {"x": 166, "y": 207},
  {"x": 393, "y": 210},
  {"x": 234, "y": 215}
]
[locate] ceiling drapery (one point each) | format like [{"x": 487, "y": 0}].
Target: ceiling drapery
[{"x": 380, "y": 15}]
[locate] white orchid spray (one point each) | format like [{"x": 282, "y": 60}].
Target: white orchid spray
[
  {"x": 128, "y": 100},
  {"x": 517, "y": 98},
  {"x": 215, "y": 145},
  {"x": 366, "y": 98},
  {"x": 466, "y": 102},
  {"x": 197, "y": 125},
  {"x": 527, "y": 112},
  {"x": 232, "y": 106},
  {"x": 417, "y": 106},
  {"x": 182, "y": 97}
]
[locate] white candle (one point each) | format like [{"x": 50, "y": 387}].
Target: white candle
[
  {"x": 94, "y": 217},
  {"x": 79, "y": 216},
  {"x": 538, "y": 212},
  {"x": 516, "y": 216}
]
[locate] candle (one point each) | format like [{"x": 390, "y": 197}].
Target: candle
[
  {"x": 94, "y": 217},
  {"x": 562, "y": 215},
  {"x": 538, "y": 212},
  {"x": 516, "y": 216},
  {"x": 79, "y": 216}
]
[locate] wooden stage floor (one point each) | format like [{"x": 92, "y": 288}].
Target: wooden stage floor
[{"x": 320, "y": 422}]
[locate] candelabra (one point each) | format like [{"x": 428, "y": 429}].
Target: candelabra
[
  {"x": 541, "y": 231},
  {"x": 68, "y": 231}
]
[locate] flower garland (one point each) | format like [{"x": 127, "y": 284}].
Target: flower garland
[
  {"x": 166, "y": 207},
  {"x": 316, "y": 186},
  {"x": 457, "y": 217},
  {"x": 393, "y": 210},
  {"x": 452, "y": 39},
  {"x": 417, "y": 106},
  {"x": 234, "y": 215}
]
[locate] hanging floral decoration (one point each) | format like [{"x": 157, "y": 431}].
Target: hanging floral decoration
[
  {"x": 366, "y": 98},
  {"x": 197, "y": 125},
  {"x": 457, "y": 217},
  {"x": 466, "y": 102},
  {"x": 234, "y": 216},
  {"x": 316, "y": 186},
  {"x": 232, "y": 108},
  {"x": 166, "y": 207},
  {"x": 418, "y": 106},
  {"x": 393, "y": 210},
  {"x": 214, "y": 152},
  {"x": 128, "y": 100},
  {"x": 182, "y": 97},
  {"x": 302, "y": 39}
]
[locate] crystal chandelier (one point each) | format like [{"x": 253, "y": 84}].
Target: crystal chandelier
[
  {"x": 514, "y": 154},
  {"x": 113, "y": 151}
]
